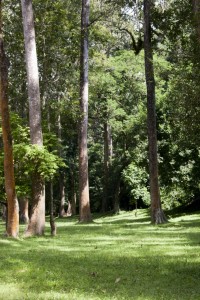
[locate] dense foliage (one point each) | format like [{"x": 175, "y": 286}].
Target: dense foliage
[{"x": 117, "y": 97}]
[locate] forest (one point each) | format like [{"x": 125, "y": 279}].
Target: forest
[
  {"x": 100, "y": 149},
  {"x": 99, "y": 109}
]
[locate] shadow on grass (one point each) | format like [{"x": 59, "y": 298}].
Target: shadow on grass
[
  {"x": 133, "y": 221},
  {"x": 101, "y": 275},
  {"x": 107, "y": 260}
]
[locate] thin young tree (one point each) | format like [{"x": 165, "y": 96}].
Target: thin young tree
[
  {"x": 12, "y": 222},
  {"x": 52, "y": 219},
  {"x": 157, "y": 214},
  {"x": 84, "y": 200},
  {"x": 62, "y": 175},
  {"x": 37, "y": 216},
  {"x": 107, "y": 164}
]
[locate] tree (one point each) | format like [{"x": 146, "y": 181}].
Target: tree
[
  {"x": 157, "y": 215},
  {"x": 37, "y": 217},
  {"x": 84, "y": 201},
  {"x": 117, "y": 100},
  {"x": 62, "y": 175},
  {"x": 196, "y": 10},
  {"x": 107, "y": 162},
  {"x": 12, "y": 226}
]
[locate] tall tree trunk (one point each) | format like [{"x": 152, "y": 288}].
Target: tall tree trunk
[
  {"x": 196, "y": 11},
  {"x": 84, "y": 201},
  {"x": 51, "y": 202},
  {"x": 62, "y": 175},
  {"x": 157, "y": 215},
  {"x": 107, "y": 162},
  {"x": 37, "y": 217},
  {"x": 12, "y": 228}
]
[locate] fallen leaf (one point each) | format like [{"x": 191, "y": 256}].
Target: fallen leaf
[{"x": 117, "y": 280}]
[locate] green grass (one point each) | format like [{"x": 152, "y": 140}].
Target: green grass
[{"x": 115, "y": 257}]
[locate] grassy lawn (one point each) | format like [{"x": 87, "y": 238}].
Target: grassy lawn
[{"x": 115, "y": 257}]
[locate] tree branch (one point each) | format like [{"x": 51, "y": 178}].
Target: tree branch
[{"x": 137, "y": 46}]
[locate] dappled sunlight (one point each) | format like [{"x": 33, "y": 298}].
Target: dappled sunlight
[
  {"x": 127, "y": 216},
  {"x": 5, "y": 241},
  {"x": 105, "y": 260},
  {"x": 184, "y": 250},
  {"x": 10, "y": 290},
  {"x": 190, "y": 217}
]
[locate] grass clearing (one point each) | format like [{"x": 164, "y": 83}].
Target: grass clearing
[{"x": 116, "y": 257}]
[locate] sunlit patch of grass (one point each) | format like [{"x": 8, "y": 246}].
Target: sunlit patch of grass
[
  {"x": 9, "y": 291},
  {"x": 115, "y": 257}
]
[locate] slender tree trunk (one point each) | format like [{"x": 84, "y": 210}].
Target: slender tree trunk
[
  {"x": 23, "y": 210},
  {"x": 72, "y": 192},
  {"x": 84, "y": 201},
  {"x": 52, "y": 220},
  {"x": 107, "y": 162},
  {"x": 196, "y": 11},
  {"x": 37, "y": 217},
  {"x": 116, "y": 198},
  {"x": 12, "y": 228},
  {"x": 157, "y": 215},
  {"x": 62, "y": 195},
  {"x": 62, "y": 175},
  {"x": 73, "y": 203}
]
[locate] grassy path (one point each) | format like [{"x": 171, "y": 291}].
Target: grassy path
[{"x": 116, "y": 257}]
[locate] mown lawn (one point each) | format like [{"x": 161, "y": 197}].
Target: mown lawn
[{"x": 115, "y": 257}]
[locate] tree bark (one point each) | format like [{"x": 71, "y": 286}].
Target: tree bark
[
  {"x": 107, "y": 162},
  {"x": 12, "y": 227},
  {"x": 36, "y": 223},
  {"x": 23, "y": 210},
  {"x": 73, "y": 203},
  {"x": 116, "y": 206},
  {"x": 37, "y": 218},
  {"x": 196, "y": 11},
  {"x": 32, "y": 73},
  {"x": 72, "y": 191},
  {"x": 71, "y": 210},
  {"x": 52, "y": 220},
  {"x": 4, "y": 213},
  {"x": 62, "y": 212},
  {"x": 84, "y": 200},
  {"x": 157, "y": 215}
]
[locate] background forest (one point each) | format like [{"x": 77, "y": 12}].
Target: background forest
[{"x": 117, "y": 125}]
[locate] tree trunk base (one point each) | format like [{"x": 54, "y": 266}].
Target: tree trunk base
[
  {"x": 85, "y": 219},
  {"x": 53, "y": 227},
  {"x": 69, "y": 210},
  {"x": 62, "y": 214},
  {"x": 158, "y": 217},
  {"x": 33, "y": 231}
]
